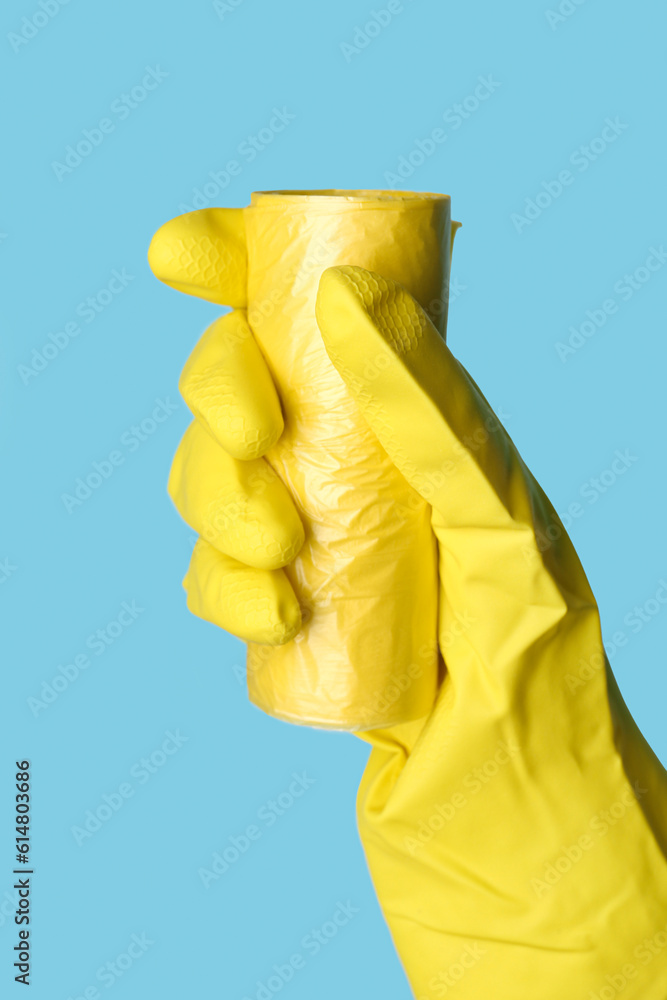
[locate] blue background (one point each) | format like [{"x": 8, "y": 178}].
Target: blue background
[{"x": 356, "y": 114}]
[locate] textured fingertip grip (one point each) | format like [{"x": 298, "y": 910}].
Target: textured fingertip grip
[
  {"x": 228, "y": 387},
  {"x": 256, "y": 605},
  {"x": 241, "y": 508},
  {"x": 203, "y": 253}
]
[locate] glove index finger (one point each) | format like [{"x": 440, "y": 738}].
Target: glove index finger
[
  {"x": 489, "y": 514},
  {"x": 228, "y": 387},
  {"x": 203, "y": 253}
]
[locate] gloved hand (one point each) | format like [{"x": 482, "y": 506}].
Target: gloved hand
[{"x": 516, "y": 834}]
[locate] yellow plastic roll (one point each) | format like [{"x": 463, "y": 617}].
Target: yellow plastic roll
[{"x": 366, "y": 654}]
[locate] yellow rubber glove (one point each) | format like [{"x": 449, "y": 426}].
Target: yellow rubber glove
[
  {"x": 517, "y": 837},
  {"x": 517, "y": 834}
]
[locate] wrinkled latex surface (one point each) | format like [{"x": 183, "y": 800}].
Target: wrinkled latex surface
[
  {"x": 517, "y": 833},
  {"x": 366, "y": 575}
]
